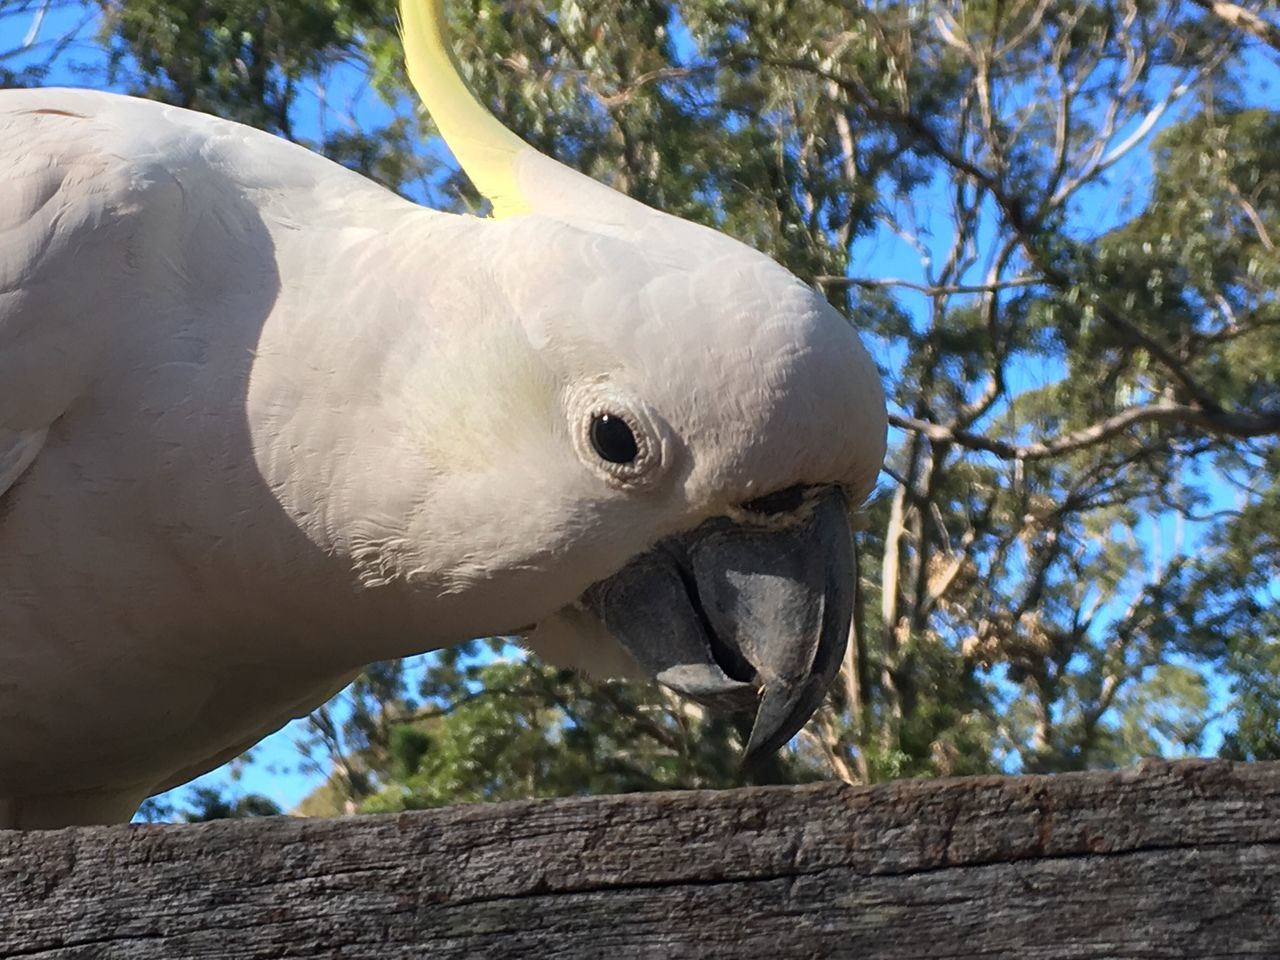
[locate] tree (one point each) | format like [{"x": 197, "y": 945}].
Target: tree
[{"x": 1056, "y": 223}]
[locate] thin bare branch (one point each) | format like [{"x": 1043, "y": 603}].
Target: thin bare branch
[
  {"x": 1229, "y": 424},
  {"x": 877, "y": 283},
  {"x": 1244, "y": 19}
]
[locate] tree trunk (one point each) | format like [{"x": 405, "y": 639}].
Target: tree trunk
[{"x": 1171, "y": 860}]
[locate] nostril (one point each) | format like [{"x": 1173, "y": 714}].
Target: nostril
[{"x": 778, "y": 502}]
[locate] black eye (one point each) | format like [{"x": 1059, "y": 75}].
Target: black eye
[{"x": 613, "y": 439}]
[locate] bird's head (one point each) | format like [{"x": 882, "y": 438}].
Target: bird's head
[{"x": 685, "y": 425}]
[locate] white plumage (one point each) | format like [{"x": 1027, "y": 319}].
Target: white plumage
[{"x": 263, "y": 422}]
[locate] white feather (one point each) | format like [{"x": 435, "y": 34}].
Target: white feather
[{"x": 274, "y": 423}]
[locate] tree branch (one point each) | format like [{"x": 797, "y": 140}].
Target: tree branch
[
  {"x": 1243, "y": 19},
  {"x": 868, "y": 283},
  {"x": 1244, "y": 425}
]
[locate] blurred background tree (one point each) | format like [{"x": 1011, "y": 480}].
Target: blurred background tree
[{"x": 1055, "y": 223}]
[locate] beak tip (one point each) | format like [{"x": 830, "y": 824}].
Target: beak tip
[
  {"x": 755, "y": 748},
  {"x": 782, "y": 714}
]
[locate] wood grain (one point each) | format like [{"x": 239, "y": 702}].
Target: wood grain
[{"x": 1170, "y": 860}]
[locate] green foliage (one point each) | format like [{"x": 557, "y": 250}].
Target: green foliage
[
  {"x": 204, "y": 803},
  {"x": 208, "y": 803},
  {"x": 532, "y": 732},
  {"x": 239, "y": 59},
  {"x": 493, "y": 726}
]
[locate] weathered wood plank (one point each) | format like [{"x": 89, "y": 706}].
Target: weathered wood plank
[{"x": 1178, "y": 860}]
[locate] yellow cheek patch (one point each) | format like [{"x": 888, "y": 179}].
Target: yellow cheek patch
[{"x": 481, "y": 402}]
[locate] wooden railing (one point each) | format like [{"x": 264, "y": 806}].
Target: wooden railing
[{"x": 1170, "y": 860}]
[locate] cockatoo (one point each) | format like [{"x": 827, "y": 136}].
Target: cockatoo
[{"x": 263, "y": 422}]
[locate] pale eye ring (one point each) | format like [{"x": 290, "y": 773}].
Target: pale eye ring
[
  {"x": 613, "y": 439},
  {"x": 617, "y": 437}
]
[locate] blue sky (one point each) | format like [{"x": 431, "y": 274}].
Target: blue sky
[{"x": 36, "y": 28}]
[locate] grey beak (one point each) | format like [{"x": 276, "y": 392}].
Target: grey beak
[{"x": 736, "y": 614}]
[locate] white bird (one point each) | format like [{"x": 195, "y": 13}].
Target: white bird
[{"x": 262, "y": 422}]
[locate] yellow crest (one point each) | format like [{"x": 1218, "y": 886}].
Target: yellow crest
[
  {"x": 485, "y": 148},
  {"x": 513, "y": 176}
]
